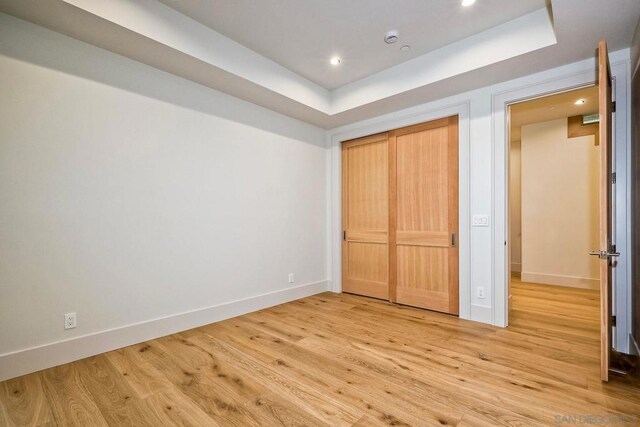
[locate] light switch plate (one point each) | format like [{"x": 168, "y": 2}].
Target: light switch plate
[{"x": 480, "y": 221}]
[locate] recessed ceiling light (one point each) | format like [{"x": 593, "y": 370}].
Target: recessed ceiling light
[
  {"x": 405, "y": 48},
  {"x": 467, "y": 3},
  {"x": 581, "y": 101},
  {"x": 335, "y": 60}
]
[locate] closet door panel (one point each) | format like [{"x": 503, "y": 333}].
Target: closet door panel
[
  {"x": 423, "y": 277},
  {"x": 422, "y": 181},
  {"x": 365, "y": 217},
  {"x": 425, "y": 220}
]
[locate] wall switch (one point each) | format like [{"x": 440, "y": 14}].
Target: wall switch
[
  {"x": 481, "y": 292},
  {"x": 480, "y": 221},
  {"x": 70, "y": 320},
  {"x": 290, "y": 277}
]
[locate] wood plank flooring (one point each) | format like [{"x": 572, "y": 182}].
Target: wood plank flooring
[{"x": 342, "y": 360}]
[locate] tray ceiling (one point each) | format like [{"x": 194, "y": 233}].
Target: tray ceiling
[{"x": 275, "y": 53}]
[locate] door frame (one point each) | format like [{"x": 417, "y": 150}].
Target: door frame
[
  {"x": 500, "y": 167},
  {"x": 508, "y": 179},
  {"x": 334, "y": 176}
]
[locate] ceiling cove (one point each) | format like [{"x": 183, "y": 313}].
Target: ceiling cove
[
  {"x": 303, "y": 35},
  {"x": 276, "y": 53}
]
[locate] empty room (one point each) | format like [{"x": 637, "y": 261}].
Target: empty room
[{"x": 319, "y": 212}]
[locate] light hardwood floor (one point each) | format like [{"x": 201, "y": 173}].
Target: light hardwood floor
[{"x": 344, "y": 360}]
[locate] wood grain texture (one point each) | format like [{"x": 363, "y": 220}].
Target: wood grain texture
[
  {"x": 417, "y": 233},
  {"x": 606, "y": 207},
  {"x": 365, "y": 216},
  {"x": 425, "y": 268},
  {"x": 423, "y": 238},
  {"x": 25, "y": 396},
  {"x": 393, "y": 217},
  {"x": 454, "y": 216},
  {"x": 342, "y": 360}
]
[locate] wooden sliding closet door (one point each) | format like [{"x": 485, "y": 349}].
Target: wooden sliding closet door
[
  {"x": 424, "y": 224},
  {"x": 365, "y": 213}
]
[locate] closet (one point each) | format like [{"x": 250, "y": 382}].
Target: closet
[{"x": 400, "y": 215}]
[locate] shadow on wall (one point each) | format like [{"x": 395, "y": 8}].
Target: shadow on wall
[{"x": 37, "y": 45}]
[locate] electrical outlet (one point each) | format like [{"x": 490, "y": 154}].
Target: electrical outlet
[
  {"x": 290, "y": 277},
  {"x": 70, "y": 320},
  {"x": 481, "y": 292}
]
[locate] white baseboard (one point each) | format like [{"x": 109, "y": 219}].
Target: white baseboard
[
  {"x": 516, "y": 266},
  {"x": 46, "y": 356},
  {"x": 569, "y": 281},
  {"x": 481, "y": 313}
]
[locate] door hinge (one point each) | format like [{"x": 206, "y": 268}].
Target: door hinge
[
  {"x": 613, "y": 177},
  {"x": 614, "y": 321},
  {"x": 344, "y": 234},
  {"x": 613, "y": 107}
]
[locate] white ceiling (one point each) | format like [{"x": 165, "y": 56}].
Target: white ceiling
[
  {"x": 273, "y": 53},
  {"x": 552, "y": 107},
  {"x": 303, "y": 35}
]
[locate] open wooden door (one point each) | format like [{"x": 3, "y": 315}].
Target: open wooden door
[{"x": 606, "y": 250}]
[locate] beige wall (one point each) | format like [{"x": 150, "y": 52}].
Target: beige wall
[
  {"x": 515, "y": 203},
  {"x": 559, "y": 206}
]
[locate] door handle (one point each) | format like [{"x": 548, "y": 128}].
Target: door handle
[{"x": 604, "y": 254}]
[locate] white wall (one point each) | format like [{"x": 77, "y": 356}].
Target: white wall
[
  {"x": 515, "y": 205},
  {"x": 128, "y": 194},
  {"x": 560, "y": 216}
]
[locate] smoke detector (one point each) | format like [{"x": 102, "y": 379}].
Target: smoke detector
[{"x": 391, "y": 37}]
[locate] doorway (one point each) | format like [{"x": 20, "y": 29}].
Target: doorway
[
  {"x": 554, "y": 159},
  {"x": 553, "y": 185},
  {"x": 613, "y": 223}
]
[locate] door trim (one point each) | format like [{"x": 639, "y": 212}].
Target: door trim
[{"x": 414, "y": 116}]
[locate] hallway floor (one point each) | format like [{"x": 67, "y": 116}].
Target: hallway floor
[{"x": 559, "y": 312}]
